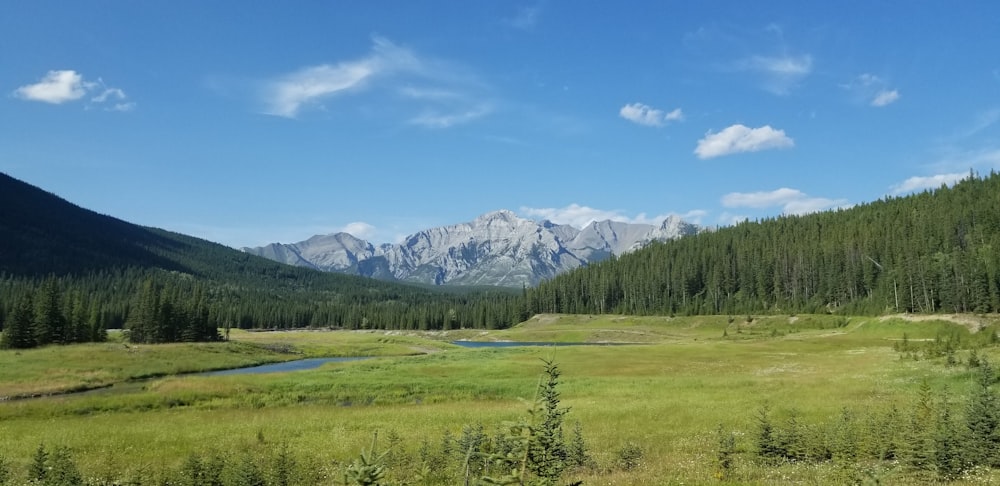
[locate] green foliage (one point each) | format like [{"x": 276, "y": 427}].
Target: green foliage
[
  {"x": 768, "y": 446},
  {"x": 38, "y": 468},
  {"x": 368, "y": 469},
  {"x": 533, "y": 450},
  {"x": 54, "y": 469},
  {"x": 577, "y": 453},
  {"x": 5, "y": 472},
  {"x": 931, "y": 252},
  {"x": 19, "y": 328},
  {"x": 630, "y": 456},
  {"x": 547, "y": 454},
  {"x": 726, "y": 451},
  {"x": 982, "y": 420},
  {"x": 248, "y": 472}
]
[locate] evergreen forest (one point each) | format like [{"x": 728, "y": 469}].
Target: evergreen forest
[
  {"x": 67, "y": 274},
  {"x": 933, "y": 252}
]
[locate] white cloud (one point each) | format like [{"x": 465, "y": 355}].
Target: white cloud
[
  {"x": 812, "y": 205},
  {"x": 56, "y": 87},
  {"x": 289, "y": 94},
  {"x": 580, "y": 216},
  {"x": 121, "y": 107},
  {"x": 730, "y": 219},
  {"x": 649, "y": 116},
  {"x": 441, "y": 94},
  {"x": 776, "y": 197},
  {"x": 739, "y": 138},
  {"x": 109, "y": 93},
  {"x": 438, "y": 120},
  {"x": 872, "y": 89},
  {"x": 59, "y": 87},
  {"x": 780, "y": 74},
  {"x": 914, "y": 184},
  {"x": 792, "y": 201},
  {"x": 885, "y": 97},
  {"x": 360, "y": 229}
]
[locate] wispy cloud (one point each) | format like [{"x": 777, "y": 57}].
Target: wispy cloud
[
  {"x": 580, "y": 216},
  {"x": 792, "y": 201},
  {"x": 288, "y": 95},
  {"x": 919, "y": 183},
  {"x": 779, "y": 74},
  {"x": 873, "y": 90},
  {"x": 885, "y": 98},
  {"x": 983, "y": 120},
  {"x": 526, "y": 18},
  {"x": 434, "y": 119},
  {"x": 62, "y": 86},
  {"x": 441, "y": 94},
  {"x": 963, "y": 160},
  {"x": 649, "y": 116},
  {"x": 740, "y": 138},
  {"x": 360, "y": 229}
]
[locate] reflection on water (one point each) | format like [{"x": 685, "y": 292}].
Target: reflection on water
[
  {"x": 512, "y": 344},
  {"x": 297, "y": 365}
]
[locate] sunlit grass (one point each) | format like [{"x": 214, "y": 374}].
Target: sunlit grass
[{"x": 667, "y": 396}]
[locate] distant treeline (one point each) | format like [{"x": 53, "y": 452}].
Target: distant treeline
[
  {"x": 159, "y": 306},
  {"x": 933, "y": 252}
]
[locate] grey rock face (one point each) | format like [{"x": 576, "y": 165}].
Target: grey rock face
[{"x": 497, "y": 248}]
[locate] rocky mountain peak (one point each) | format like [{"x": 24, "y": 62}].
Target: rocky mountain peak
[{"x": 496, "y": 248}]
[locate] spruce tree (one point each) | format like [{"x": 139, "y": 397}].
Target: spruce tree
[
  {"x": 49, "y": 324},
  {"x": 19, "y": 330},
  {"x": 547, "y": 452},
  {"x": 982, "y": 420}
]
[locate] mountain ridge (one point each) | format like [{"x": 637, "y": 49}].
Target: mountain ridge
[{"x": 496, "y": 248}]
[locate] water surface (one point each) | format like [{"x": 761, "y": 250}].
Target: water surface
[
  {"x": 512, "y": 344},
  {"x": 297, "y": 365}
]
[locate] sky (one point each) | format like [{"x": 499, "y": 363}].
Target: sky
[{"x": 247, "y": 123}]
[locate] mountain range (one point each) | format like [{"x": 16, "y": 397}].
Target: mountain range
[{"x": 496, "y": 249}]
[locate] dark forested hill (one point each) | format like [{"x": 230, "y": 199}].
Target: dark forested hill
[
  {"x": 107, "y": 263},
  {"x": 937, "y": 251},
  {"x": 41, "y": 233}
]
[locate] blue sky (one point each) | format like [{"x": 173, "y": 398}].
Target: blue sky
[{"x": 248, "y": 123}]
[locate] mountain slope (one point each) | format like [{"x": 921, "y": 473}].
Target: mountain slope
[
  {"x": 42, "y": 233},
  {"x": 102, "y": 264},
  {"x": 931, "y": 252},
  {"x": 497, "y": 248}
]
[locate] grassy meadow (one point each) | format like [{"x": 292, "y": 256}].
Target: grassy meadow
[{"x": 663, "y": 390}]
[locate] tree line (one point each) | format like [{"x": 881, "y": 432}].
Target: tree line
[
  {"x": 153, "y": 305},
  {"x": 933, "y": 252}
]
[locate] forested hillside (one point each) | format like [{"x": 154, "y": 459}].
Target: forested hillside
[
  {"x": 931, "y": 252},
  {"x": 937, "y": 251},
  {"x": 98, "y": 270}
]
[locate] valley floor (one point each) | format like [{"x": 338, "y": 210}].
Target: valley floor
[{"x": 650, "y": 410}]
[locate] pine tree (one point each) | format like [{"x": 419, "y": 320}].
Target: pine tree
[
  {"x": 19, "y": 330},
  {"x": 547, "y": 453},
  {"x": 39, "y": 466},
  {"x": 49, "y": 324},
  {"x": 62, "y": 470},
  {"x": 982, "y": 420}
]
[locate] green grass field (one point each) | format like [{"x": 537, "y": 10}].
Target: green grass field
[{"x": 665, "y": 391}]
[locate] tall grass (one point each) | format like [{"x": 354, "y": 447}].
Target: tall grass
[{"x": 666, "y": 397}]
